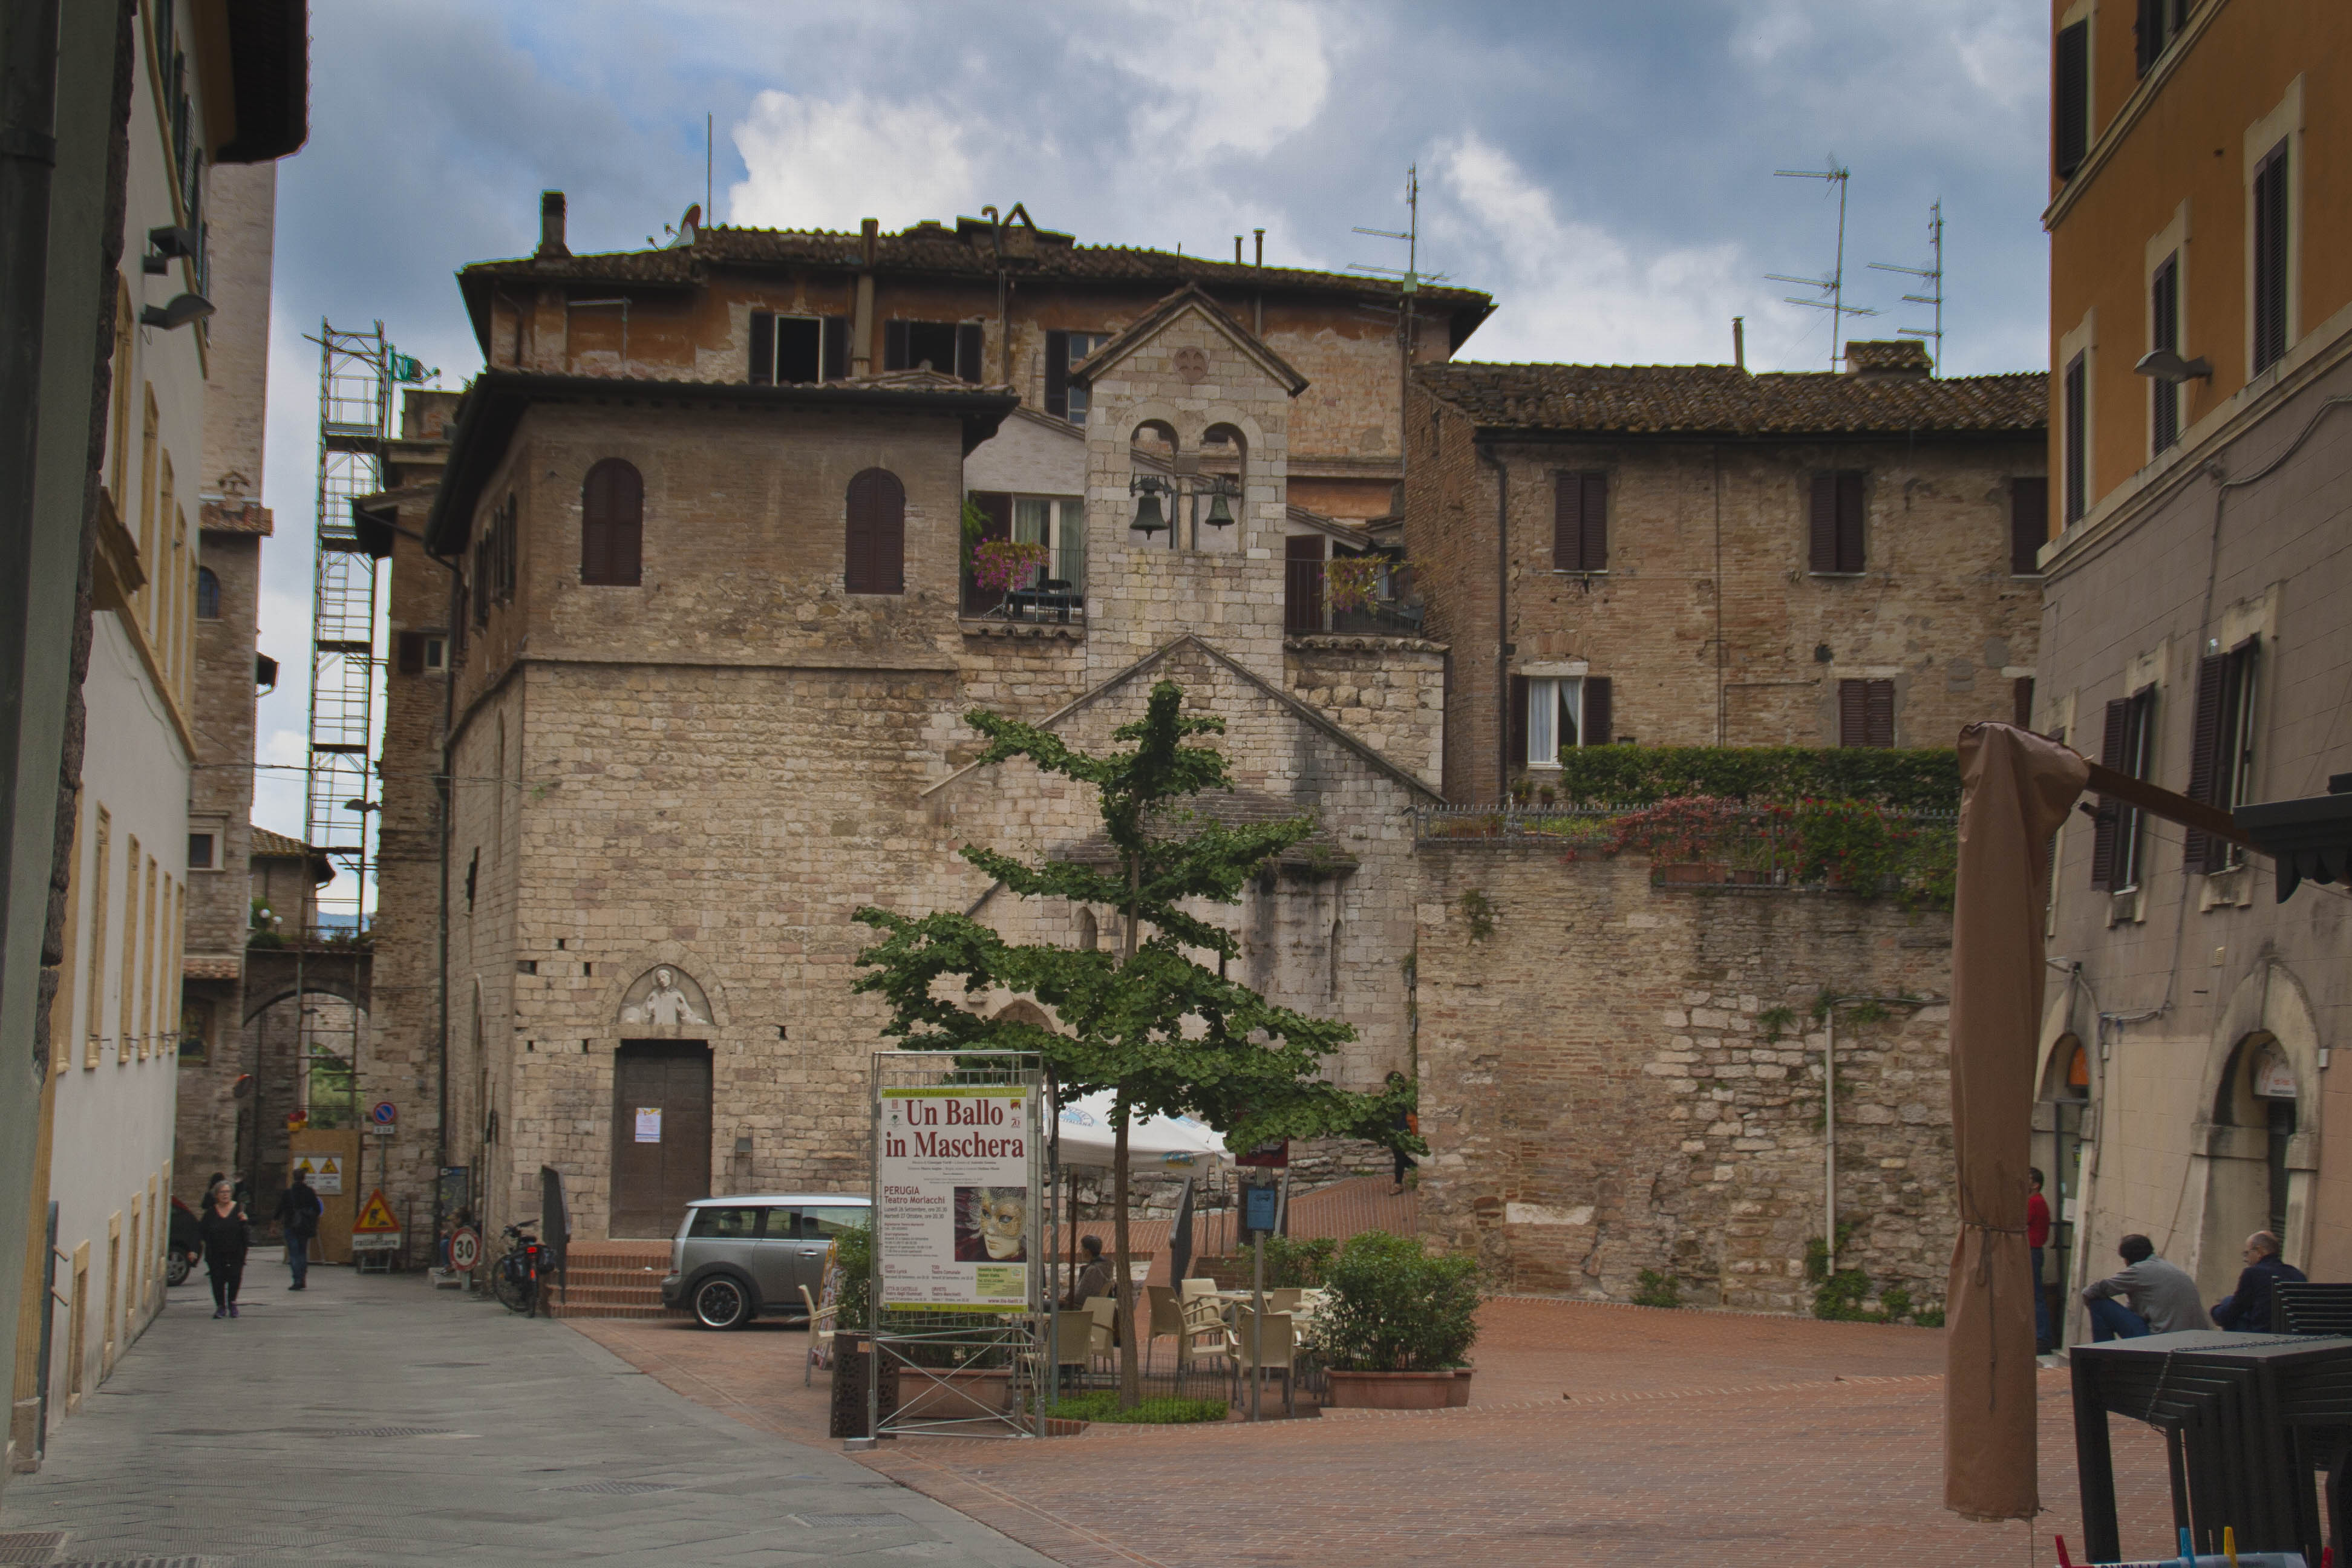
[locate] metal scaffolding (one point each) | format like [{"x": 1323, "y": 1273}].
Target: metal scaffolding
[{"x": 339, "y": 796}]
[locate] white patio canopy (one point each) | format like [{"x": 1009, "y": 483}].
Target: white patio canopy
[{"x": 1177, "y": 1145}]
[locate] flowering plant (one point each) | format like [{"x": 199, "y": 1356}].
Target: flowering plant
[
  {"x": 1351, "y": 580},
  {"x": 1002, "y": 564}
]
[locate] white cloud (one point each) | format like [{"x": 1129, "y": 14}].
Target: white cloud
[
  {"x": 1573, "y": 290},
  {"x": 1239, "y": 74},
  {"x": 818, "y": 163}
]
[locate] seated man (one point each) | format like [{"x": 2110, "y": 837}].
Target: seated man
[
  {"x": 1094, "y": 1276},
  {"x": 2157, "y": 1298},
  {"x": 2247, "y": 1308}
]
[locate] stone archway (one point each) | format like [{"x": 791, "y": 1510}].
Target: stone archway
[{"x": 2254, "y": 1159}]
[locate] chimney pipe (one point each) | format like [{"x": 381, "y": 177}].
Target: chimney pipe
[
  {"x": 1739, "y": 342},
  {"x": 1237, "y": 250},
  {"x": 1261, "y": 245},
  {"x": 550, "y": 224},
  {"x": 867, "y": 232}
]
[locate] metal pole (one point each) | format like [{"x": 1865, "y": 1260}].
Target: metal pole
[
  {"x": 1829, "y": 1140},
  {"x": 1257, "y": 1326}
]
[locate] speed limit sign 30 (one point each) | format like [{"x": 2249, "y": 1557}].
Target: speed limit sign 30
[{"x": 465, "y": 1248}]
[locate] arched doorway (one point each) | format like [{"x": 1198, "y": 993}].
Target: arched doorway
[
  {"x": 2249, "y": 1182},
  {"x": 2059, "y": 1146}
]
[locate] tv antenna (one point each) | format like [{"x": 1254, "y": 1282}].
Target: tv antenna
[
  {"x": 1834, "y": 284},
  {"x": 1933, "y": 276},
  {"x": 1409, "y": 281}
]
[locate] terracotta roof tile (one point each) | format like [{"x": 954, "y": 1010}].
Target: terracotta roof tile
[
  {"x": 1665, "y": 398},
  {"x": 277, "y": 846}
]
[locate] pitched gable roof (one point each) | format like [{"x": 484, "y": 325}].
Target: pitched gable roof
[
  {"x": 1705, "y": 399},
  {"x": 1189, "y": 298}
]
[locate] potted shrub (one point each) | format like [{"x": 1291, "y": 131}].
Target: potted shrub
[{"x": 1398, "y": 1324}]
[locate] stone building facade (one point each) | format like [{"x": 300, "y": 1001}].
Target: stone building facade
[
  {"x": 1700, "y": 556},
  {"x": 1603, "y": 1091},
  {"x": 666, "y": 797}
]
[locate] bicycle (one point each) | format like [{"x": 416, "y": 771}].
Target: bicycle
[{"x": 519, "y": 1277}]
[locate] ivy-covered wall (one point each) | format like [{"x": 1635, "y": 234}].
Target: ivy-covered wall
[{"x": 1603, "y": 1093}]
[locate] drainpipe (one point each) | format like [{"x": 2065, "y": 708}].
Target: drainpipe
[
  {"x": 861, "y": 324},
  {"x": 1502, "y": 619},
  {"x": 28, "y": 154},
  {"x": 444, "y": 787}
]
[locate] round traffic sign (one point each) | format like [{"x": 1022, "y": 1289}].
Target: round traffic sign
[
  {"x": 385, "y": 1113},
  {"x": 465, "y": 1248}
]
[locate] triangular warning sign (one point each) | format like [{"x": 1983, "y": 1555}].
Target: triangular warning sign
[{"x": 375, "y": 1217}]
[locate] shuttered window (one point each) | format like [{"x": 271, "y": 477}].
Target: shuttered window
[
  {"x": 763, "y": 348},
  {"x": 796, "y": 350},
  {"x": 2069, "y": 99},
  {"x": 1551, "y": 716},
  {"x": 2164, "y": 333},
  {"x": 1835, "y": 522},
  {"x": 2028, "y": 525},
  {"x": 1865, "y": 713},
  {"x": 874, "y": 557},
  {"x": 2124, "y": 744},
  {"x": 2271, "y": 241},
  {"x": 1580, "y": 522},
  {"x": 409, "y": 653},
  {"x": 2221, "y": 751},
  {"x": 2074, "y": 430},
  {"x": 613, "y": 525},
  {"x": 951, "y": 348},
  {"x": 2021, "y": 698}
]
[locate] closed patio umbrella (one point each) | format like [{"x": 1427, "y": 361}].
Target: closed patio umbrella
[{"x": 2016, "y": 788}]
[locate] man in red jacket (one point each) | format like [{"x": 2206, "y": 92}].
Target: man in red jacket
[{"x": 2037, "y": 1237}]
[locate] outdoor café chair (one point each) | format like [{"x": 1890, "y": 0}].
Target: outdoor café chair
[
  {"x": 1074, "y": 1334},
  {"x": 1241, "y": 1344},
  {"x": 1105, "y": 1311},
  {"x": 820, "y": 1328},
  {"x": 1283, "y": 1301},
  {"x": 1191, "y": 1289},
  {"x": 1187, "y": 1320}
]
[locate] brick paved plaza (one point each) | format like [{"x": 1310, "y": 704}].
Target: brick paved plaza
[{"x": 1685, "y": 1437}]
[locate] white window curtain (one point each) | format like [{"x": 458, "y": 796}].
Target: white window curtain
[{"x": 1555, "y": 720}]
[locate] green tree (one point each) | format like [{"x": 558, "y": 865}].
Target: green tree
[{"x": 1163, "y": 1031}]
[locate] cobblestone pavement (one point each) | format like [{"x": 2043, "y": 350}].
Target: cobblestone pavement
[
  {"x": 373, "y": 1420},
  {"x": 1687, "y": 1437}
]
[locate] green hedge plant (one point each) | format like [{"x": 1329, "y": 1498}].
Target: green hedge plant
[
  {"x": 1394, "y": 1307},
  {"x": 1641, "y": 775}
]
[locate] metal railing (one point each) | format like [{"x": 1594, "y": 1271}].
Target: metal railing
[{"x": 1307, "y": 607}]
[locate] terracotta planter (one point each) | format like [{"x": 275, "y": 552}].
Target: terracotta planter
[
  {"x": 1400, "y": 1390},
  {"x": 955, "y": 1396}
]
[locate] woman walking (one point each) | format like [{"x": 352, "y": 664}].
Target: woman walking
[{"x": 223, "y": 1224}]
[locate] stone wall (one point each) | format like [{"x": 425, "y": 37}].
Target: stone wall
[{"x": 1601, "y": 1095}]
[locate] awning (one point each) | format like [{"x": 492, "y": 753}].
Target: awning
[{"x": 1176, "y": 1145}]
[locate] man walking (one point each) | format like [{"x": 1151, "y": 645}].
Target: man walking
[
  {"x": 2157, "y": 1298},
  {"x": 297, "y": 1217},
  {"x": 2247, "y": 1308}
]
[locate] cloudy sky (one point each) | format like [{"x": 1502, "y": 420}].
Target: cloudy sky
[{"x": 1604, "y": 169}]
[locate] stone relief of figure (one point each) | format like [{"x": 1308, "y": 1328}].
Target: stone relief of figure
[{"x": 668, "y": 1003}]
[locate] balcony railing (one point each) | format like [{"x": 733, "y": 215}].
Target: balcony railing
[{"x": 1307, "y": 606}]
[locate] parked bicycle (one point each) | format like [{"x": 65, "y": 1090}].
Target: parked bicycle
[{"x": 520, "y": 1276}]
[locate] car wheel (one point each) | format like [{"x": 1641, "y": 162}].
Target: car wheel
[{"x": 721, "y": 1302}]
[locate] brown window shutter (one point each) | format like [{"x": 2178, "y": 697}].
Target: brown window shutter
[
  {"x": 1600, "y": 717},
  {"x": 996, "y": 507},
  {"x": 2205, "y": 766},
  {"x": 1853, "y": 716},
  {"x": 1596, "y": 522},
  {"x": 1568, "y": 522},
  {"x": 1824, "y": 529},
  {"x": 836, "y": 347},
  {"x": 2021, "y": 692},
  {"x": 894, "y": 346},
  {"x": 874, "y": 555},
  {"x": 2069, "y": 99},
  {"x": 1057, "y": 373},
  {"x": 2148, "y": 29},
  {"x": 763, "y": 348},
  {"x": 611, "y": 524},
  {"x": 1879, "y": 714},
  {"x": 411, "y": 653},
  {"x": 1518, "y": 753},
  {"x": 2270, "y": 243},
  {"x": 1849, "y": 523},
  {"x": 1302, "y": 583},
  {"x": 971, "y": 351},
  {"x": 2028, "y": 525},
  {"x": 2114, "y": 744}
]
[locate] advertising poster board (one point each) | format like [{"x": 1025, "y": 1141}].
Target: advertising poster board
[{"x": 953, "y": 1214}]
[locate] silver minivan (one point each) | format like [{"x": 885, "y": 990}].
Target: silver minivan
[{"x": 734, "y": 1259}]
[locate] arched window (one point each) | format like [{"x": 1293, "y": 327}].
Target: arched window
[
  {"x": 208, "y": 594},
  {"x": 1090, "y": 937},
  {"x": 875, "y": 558},
  {"x": 613, "y": 525}
]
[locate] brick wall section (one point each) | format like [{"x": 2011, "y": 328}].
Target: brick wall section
[
  {"x": 1936, "y": 611},
  {"x": 1600, "y": 1099}
]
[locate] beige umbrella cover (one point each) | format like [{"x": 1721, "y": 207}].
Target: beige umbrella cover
[{"x": 2015, "y": 790}]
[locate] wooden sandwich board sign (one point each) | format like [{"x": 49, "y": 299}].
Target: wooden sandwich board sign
[{"x": 375, "y": 1230}]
